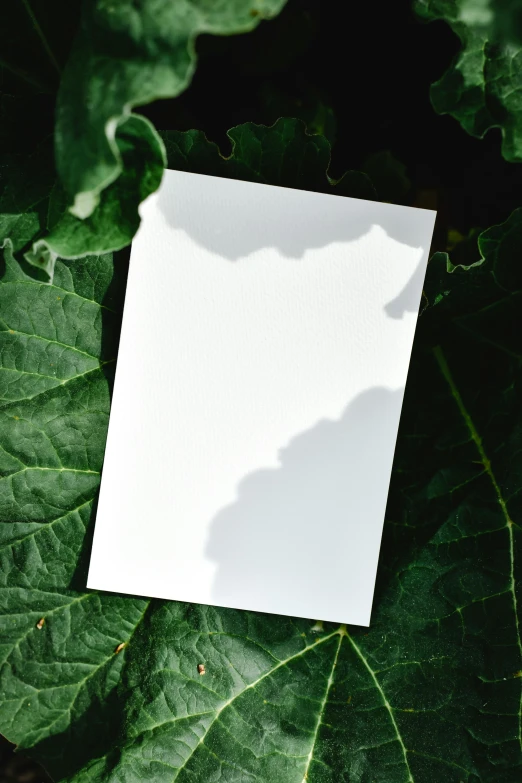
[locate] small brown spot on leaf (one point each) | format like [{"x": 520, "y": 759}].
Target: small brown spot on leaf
[
  {"x": 16, "y": 417},
  {"x": 11, "y": 331},
  {"x": 254, "y": 12},
  {"x": 201, "y": 668},
  {"x": 119, "y": 648},
  {"x": 349, "y": 699},
  {"x": 40, "y": 623},
  {"x": 518, "y": 674}
]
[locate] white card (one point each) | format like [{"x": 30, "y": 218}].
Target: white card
[{"x": 264, "y": 351}]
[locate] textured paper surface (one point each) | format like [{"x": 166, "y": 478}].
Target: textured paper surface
[{"x": 265, "y": 346}]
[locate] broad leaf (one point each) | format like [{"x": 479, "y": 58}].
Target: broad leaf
[
  {"x": 481, "y": 87},
  {"x": 127, "y": 56},
  {"x": 431, "y": 692},
  {"x": 34, "y": 203},
  {"x": 109, "y": 159}
]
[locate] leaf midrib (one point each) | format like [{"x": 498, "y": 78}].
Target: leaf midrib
[
  {"x": 387, "y": 705},
  {"x": 477, "y": 440},
  {"x": 342, "y": 633},
  {"x": 323, "y": 707},
  {"x": 251, "y": 685}
]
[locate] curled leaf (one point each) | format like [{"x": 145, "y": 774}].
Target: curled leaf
[
  {"x": 430, "y": 692},
  {"x": 482, "y": 85},
  {"x": 127, "y": 55}
]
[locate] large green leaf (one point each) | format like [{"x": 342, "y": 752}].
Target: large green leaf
[
  {"x": 481, "y": 89},
  {"x": 128, "y": 55},
  {"x": 108, "y": 158},
  {"x": 431, "y": 692},
  {"x": 33, "y": 204}
]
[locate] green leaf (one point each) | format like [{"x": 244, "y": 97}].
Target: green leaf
[
  {"x": 431, "y": 692},
  {"x": 482, "y": 86},
  {"x": 127, "y": 56},
  {"x": 34, "y": 203},
  {"x": 283, "y": 154},
  {"x": 108, "y": 158}
]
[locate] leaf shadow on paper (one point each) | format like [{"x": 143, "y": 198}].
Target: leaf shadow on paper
[
  {"x": 303, "y": 517},
  {"x": 235, "y": 222},
  {"x": 294, "y": 528}
]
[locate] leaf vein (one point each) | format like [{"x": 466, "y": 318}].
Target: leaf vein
[
  {"x": 443, "y": 366},
  {"x": 386, "y": 704},
  {"x": 323, "y": 706},
  {"x": 253, "y": 684}
]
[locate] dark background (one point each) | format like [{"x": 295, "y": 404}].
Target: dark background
[
  {"x": 373, "y": 70},
  {"x": 363, "y": 80}
]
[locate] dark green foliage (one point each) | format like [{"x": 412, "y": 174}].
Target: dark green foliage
[
  {"x": 430, "y": 692},
  {"x": 103, "y": 688},
  {"x": 108, "y": 159},
  {"x": 481, "y": 89}
]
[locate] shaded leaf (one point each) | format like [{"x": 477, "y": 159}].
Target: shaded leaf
[
  {"x": 506, "y": 17},
  {"x": 309, "y": 106},
  {"x": 283, "y": 154},
  {"x": 35, "y": 44},
  {"x": 388, "y": 176},
  {"x": 481, "y": 89}
]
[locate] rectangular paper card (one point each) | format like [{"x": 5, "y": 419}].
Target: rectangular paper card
[{"x": 264, "y": 351}]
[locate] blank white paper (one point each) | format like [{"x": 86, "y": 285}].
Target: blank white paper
[{"x": 264, "y": 351}]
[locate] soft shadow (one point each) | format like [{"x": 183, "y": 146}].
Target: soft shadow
[
  {"x": 408, "y": 300},
  {"x": 304, "y": 518},
  {"x": 243, "y": 220}
]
